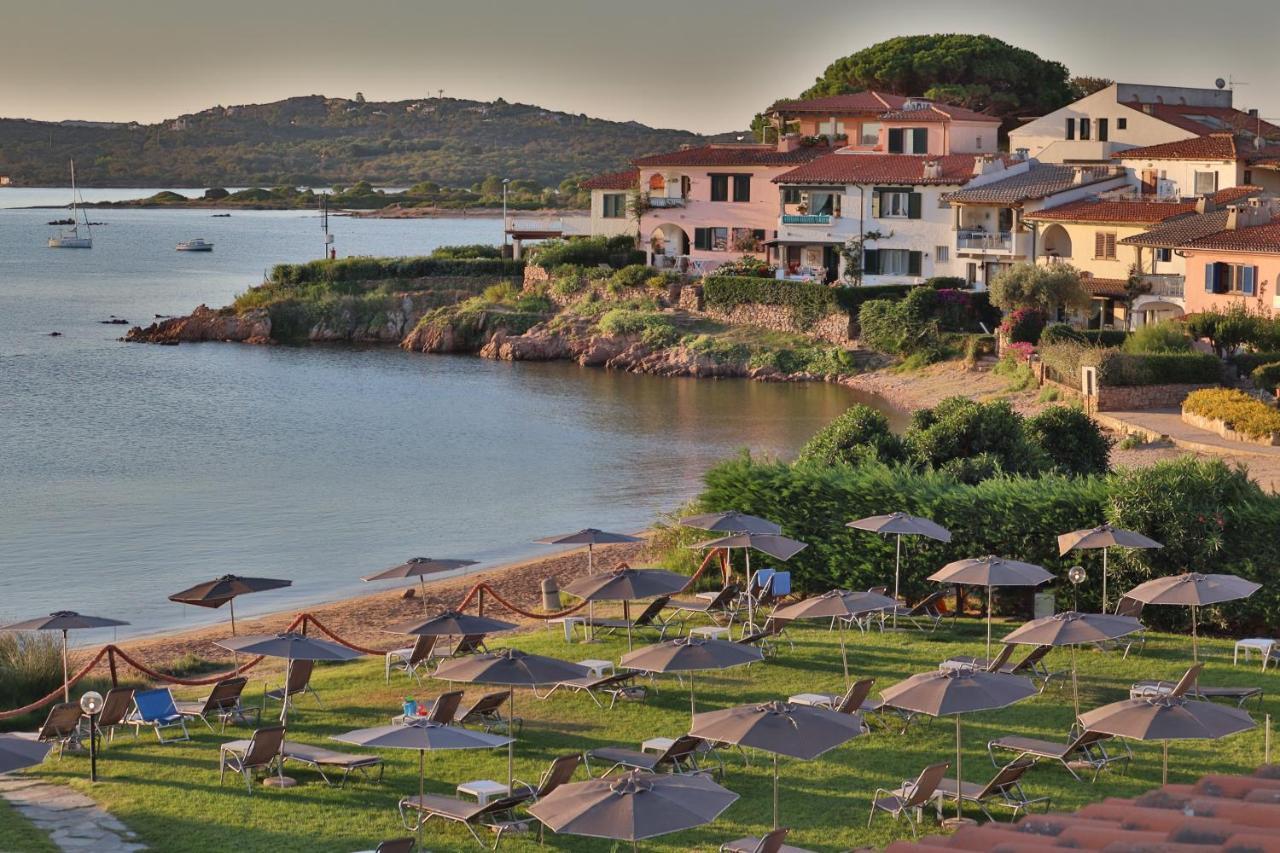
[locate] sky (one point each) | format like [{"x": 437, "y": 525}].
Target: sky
[{"x": 703, "y": 65}]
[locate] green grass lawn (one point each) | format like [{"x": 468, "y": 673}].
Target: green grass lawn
[
  {"x": 18, "y": 833},
  {"x": 170, "y": 795}
]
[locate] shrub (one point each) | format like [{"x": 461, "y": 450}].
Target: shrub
[
  {"x": 533, "y": 303},
  {"x": 1118, "y": 368},
  {"x": 1057, "y": 333},
  {"x": 903, "y": 327},
  {"x": 946, "y": 282},
  {"x": 959, "y": 428},
  {"x": 808, "y": 301},
  {"x": 1076, "y": 445},
  {"x": 1013, "y": 364},
  {"x": 628, "y": 321},
  {"x": 1237, "y": 410},
  {"x": 747, "y": 266},
  {"x": 500, "y": 293},
  {"x": 1229, "y": 330},
  {"x": 617, "y": 252},
  {"x": 858, "y": 435},
  {"x": 659, "y": 335},
  {"x": 634, "y": 275},
  {"x": 851, "y": 299},
  {"x": 1048, "y": 394},
  {"x": 1168, "y": 336},
  {"x": 1105, "y": 337},
  {"x": 568, "y": 280},
  {"x": 1267, "y": 376},
  {"x": 1024, "y": 325},
  {"x": 30, "y": 667},
  {"x": 717, "y": 349},
  {"x": 470, "y": 251},
  {"x": 662, "y": 280},
  {"x": 1046, "y": 288},
  {"x": 1247, "y": 362},
  {"x": 977, "y": 346}
]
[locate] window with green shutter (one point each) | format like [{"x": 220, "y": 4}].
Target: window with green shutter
[
  {"x": 913, "y": 205},
  {"x": 895, "y": 140},
  {"x": 871, "y": 261},
  {"x": 915, "y": 263},
  {"x": 920, "y": 140},
  {"x": 719, "y": 187},
  {"x": 742, "y": 188},
  {"x": 615, "y": 206},
  {"x": 702, "y": 239}
]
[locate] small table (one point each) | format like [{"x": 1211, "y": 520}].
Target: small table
[
  {"x": 657, "y": 744},
  {"x": 598, "y": 667},
  {"x": 711, "y": 632},
  {"x": 567, "y": 622},
  {"x": 814, "y": 700},
  {"x": 483, "y": 790},
  {"x": 1251, "y": 645}
]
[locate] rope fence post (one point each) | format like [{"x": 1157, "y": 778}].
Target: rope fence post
[
  {"x": 480, "y": 603},
  {"x": 111, "y": 664}
]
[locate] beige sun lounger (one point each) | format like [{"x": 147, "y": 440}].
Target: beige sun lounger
[{"x": 322, "y": 759}]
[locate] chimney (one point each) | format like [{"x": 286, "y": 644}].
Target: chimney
[
  {"x": 1205, "y": 204},
  {"x": 1021, "y": 154},
  {"x": 932, "y": 170},
  {"x": 1253, "y": 113},
  {"x": 982, "y": 164},
  {"x": 1234, "y": 218},
  {"x": 788, "y": 142}
]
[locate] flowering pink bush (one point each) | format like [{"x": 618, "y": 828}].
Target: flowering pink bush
[
  {"x": 1024, "y": 325},
  {"x": 1022, "y": 351}
]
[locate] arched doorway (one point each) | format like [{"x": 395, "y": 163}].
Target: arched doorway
[
  {"x": 1056, "y": 242},
  {"x": 668, "y": 243}
]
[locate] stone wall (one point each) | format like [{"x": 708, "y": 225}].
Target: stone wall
[
  {"x": 1215, "y": 425},
  {"x": 833, "y": 328},
  {"x": 1121, "y": 398},
  {"x": 535, "y": 275}
]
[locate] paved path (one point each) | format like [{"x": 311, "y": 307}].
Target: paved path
[
  {"x": 74, "y": 822},
  {"x": 1168, "y": 423}
]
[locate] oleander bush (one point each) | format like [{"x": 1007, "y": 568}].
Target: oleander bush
[
  {"x": 1267, "y": 376},
  {"x": 1024, "y": 325},
  {"x": 1237, "y": 410}
]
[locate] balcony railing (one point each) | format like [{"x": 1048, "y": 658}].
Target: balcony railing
[
  {"x": 1168, "y": 286},
  {"x": 806, "y": 219},
  {"x": 666, "y": 201},
  {"x": 984, "y": 240}
]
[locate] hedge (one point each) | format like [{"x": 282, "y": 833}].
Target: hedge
[
  {"x": 1247, "y": 362},
  {"x": 851, "y": 299},
  {"x": 1105, "y": 337},
  {"x": 375, "y": 269},
  {"x": 1116, "y": 368},
  {"x": 1267, "y": 376},
  {"x": 807, "y": 300},
  {"x": 1239, "y": 411}
]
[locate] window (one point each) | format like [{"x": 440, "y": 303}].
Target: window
[
  {"x": 1071, "y": 128},
  {"x": 977, "y": 143},
  {"x": 1084, "y": 128},
  {"x": 1248, "y": 176},
  {"x": 702, "y": 239},
  {"x": 897, "y": 262},
  {"x": 908, "y": 140},
  {"x": 1164, "y": 254},
  {"x": 971, "y": 272},
  {"x": 831, "y": 127},
  {"x": 1104, "y": 245},
  {"x": 615, "y": 206},
  {"x": 719, "y": 187},
  {"x": 895, "y": 204},
  {"x": 790, "y": 195},
  {"x": 941, "y": 254},
  {"x": 1102, "y": 130},
  {"x": 1122, "y": 124},
  {"x": 1230, "y": 278},
  {"x": 870, "y": 133},
  {"x": 719, "y": 239},
  {"x": 1206, "y": 183},
  {"x": 742, "y": 188}
]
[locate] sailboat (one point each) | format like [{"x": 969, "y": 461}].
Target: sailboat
[{"x": 72, "y": 239}]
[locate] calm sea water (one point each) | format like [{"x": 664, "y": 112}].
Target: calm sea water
[{"x": 129, "y": 472}]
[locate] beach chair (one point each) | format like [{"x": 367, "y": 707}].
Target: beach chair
[
  {"x": 260, "y": 752},
  {"x": 769, "y": 587},
  {"x": 486, "y": 712},
  {"x": 222, "y": 703},
  {"x": 498, "y": 815},
  {"x": 617, "y": 685},
  {"x": 444, "y": 708},
  {"x": 927, "y": 614},
  {"x": 1238, "y": 695},
  {"x": 157, "y": 709},
  {"x": 61, "y": 727},
  {"x": 468, "y": 644},
  {"x": 321, "y": 759},
  {"x": 1004, "y": 789},
  {"x": 116, "y": 706},
  {"x": 681, "y": 756},
  {"x": 770, "y": 843},
  {"x": 855, "y": 700},
  {"x": 764, "y": 637},
  {"x": 650, "y": 617},
  {"x": 909, "y": 797},
  {"x": 297, "y": 682},
  {"x": 1087, "y": 749},
  {"x": 995, "y": 664},
  {"x": 1127, "y": 606},
  {"x": 723, "y": 606},
  {"x": 410, "y": 659},
  {"x": 1031, "y": 665}
]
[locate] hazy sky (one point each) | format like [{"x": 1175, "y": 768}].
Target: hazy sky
[{"x": 706, "y": 65}]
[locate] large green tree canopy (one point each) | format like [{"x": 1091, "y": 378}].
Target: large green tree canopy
[{"x": 979, "y": 72}]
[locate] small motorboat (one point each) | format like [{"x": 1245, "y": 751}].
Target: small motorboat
[{"x": 196, "y": 245}]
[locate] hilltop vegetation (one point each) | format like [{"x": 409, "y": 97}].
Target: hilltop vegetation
[{"x": 319, "y": 141}]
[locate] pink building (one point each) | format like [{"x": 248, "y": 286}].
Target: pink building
[{"x": 1238, "y": 264}]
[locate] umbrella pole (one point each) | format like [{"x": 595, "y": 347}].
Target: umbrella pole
[
  {"x": 775, "y": 790},
  {"x": 511, "y": 746},
  {"x": 232, "y": 604},
  {"x": 751, "y": 599},
  {"x": 626, "y": 617},
  {"x": 1104, "y": 579},
  {"x": 1195, "y": 647},
  {"x": 422, "y": 588},
  {"x": 284, "y": 699},
  {"x": 421, "y": 774},
  {"x": 1164, "y": 773},
  {"x": 1075, "y": 685},
  {"x": 844, "y": 656},
  {"x": 959, "y": 774},
  {"x": 590, "y": 631},
  {"x": 990, "y": 595},
  {"x": 66, "y": 678},
  {"x": 897, "y": 571},
  {"x": 693, "y": 710}
]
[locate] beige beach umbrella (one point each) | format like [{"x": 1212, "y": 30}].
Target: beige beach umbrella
[
  {"x": 991, "y": 572},
  {"x": 627, "y": 585},
  {"x": 839, "y": 605},
  {"x": 419, "y": 567},
  {"x": 900, "y": 524},
  {"x": 691, "y": 654},
  {"x": 19, "y": 753},
  {"x": 591, "y": 537},
  {"x": 773, "y": 544},
  {"x": 1104, "y": 537},
  {"x": 1193, "y": 590},
  {"x": 64, "y": 621},
  {"x": 225, "y": 590},
  {"x": 290, "y": 646}
]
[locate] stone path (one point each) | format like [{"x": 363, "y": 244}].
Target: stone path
[
  {"x": 1168, "y": 423},
  {"x": 74, "y": 822}
]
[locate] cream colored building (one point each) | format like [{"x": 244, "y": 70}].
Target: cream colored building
[{"x": 610, "y": 203}]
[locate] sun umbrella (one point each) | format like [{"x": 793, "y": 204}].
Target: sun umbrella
[
  {"x": 290, "y": 647},
  {"x": 690, "y": 654},
  {"x": 509, "y": 668},
  {"x": 590, "y": 537},
  {"x": 839, "y": 605},
  {"x": 419, "y": 567},
  {"x": 1103, "y": 536},
  {"x": 731, "y": 522},
  {"x": 773, "y": 544},
  {"x": 423, "y": 736},
  {"x": 17, "y": 752},
  {"x": 1072, "y": 629},
  {"x": 1166, "y": 718},
  {"x": 633, "y": 806},
  {"x": 781, "y": 728},
  {"x": 957, "y": 691},
  {"x": 1193, "y": 590},
  {"x": 451, "y": 623},
  {"x": 224, "y": 590},
  {"x": 64, "y": 621},
  {"x": 991, "y": 572},
  {"x": 900, "y": 524},
  {"x": 627, "y": 585}
]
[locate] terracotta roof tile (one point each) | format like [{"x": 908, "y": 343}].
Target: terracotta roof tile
[
  {"x": 855, "y": 168},
  {"x": 857, "y": 102},
  {"x": 1133, "y": 211},
  {"x": 1256, "y": 238},
  {"x": 734, "y": 155},
  {"x": 1202, "y": 120},
  {"x": 1210, "y": 146},
  {"x": 1104, "y": 286},
  {"x": 1039, "y": 181},
  {"x": 613, "y": 181}
]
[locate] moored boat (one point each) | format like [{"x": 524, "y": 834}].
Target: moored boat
[{"x": 197, "y": 245}]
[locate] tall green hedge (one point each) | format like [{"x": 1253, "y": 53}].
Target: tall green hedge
[
  {"x": 375, "y": 269},
  {"x": 1117, "y": 368},
  {"x": 807, "y": 300}
]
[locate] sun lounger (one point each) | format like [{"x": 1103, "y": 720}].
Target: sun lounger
[
  {"x": 1087, "y": 749},
  {"x": 617, "y": 685},
  {"x": 1004, "y": 789},
  {"x": 328, "y": 759},
  {"x": 410, "y": 660},
  {"x": 764, "y": 637},
  {"x": 297, "y": 683},
  {"x": 650, "y": 617},
  {"x": 61, "y": 727},
  {"x": 260, "y": 752},
  {"x": 1031, "y": 665},
  {"x": 722, "y": 606},
  {"x": 909, "y": 797},
  {"x": 486, "y": 712},
  {"x": 468, "y": 644},
  {"x": 1127, "y": 606},
  {"x": 496, "y": 814},
  {"x": 444, "y": 708},
  {"x": 855, "y": 700},
  {"x": 223, "y": 702},
  {"x": 926, "y": 615},
  {"x": 116, "y": 706},
  {"x": 157, "y": 709},
  {"x": 771, "y": 843},
  {"x": 1238, "y": 695},
  {"x": 680, "y": 757}
]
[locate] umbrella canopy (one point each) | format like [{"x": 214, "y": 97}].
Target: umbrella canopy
[
  {"x": 781, "y": 728},
  {"x": 633, "y": 806},
  {"x": 64, "y": 621},
  {"x": 627, "y": 585},
  {"x": 419, "y": 567},
  {"x": 957, "y": 691},
  {"x": 991, "y": 572},
  {"x": 17, "y": 753},
  {"x": 731, "y": 522},
  {"x": 691, "y": 654},
  {"x": 1072, "y": 629},
  {"x": 1193, "y": 590},
  {"x": 224, "y": 590},
  {"x": 509, "y": 668},
  {"x": 289, "y": 646},
  {"x": 588, "y": 536},
  {"x": 773, "y": 544},
  {"x": 836, "y": 604},
  {"x": 423, "y": 736},
  {"x": 1104, "y": 536},
  {"x": 451, "y": 623},
  {"x": 900, "y": 524}
]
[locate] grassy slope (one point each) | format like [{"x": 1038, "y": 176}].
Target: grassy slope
[
  {"x": 171, "y": 792},
  {"x": 18, "y": 833}
]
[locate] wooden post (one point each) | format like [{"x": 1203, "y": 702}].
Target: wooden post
[
  {"x": 111, "y": 664},
  {"x": 480, "y": 603}
]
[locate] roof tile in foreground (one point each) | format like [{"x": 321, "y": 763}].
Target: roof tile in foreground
[{"x": 1039, "y": 181}]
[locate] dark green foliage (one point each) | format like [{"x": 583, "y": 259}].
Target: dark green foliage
[
  {"x": 859, "y": 435},
  {"x": 1168, "y": 336},
  {"x": 633, "y": 275},
  {"x": 469, "y": 252},
  {"x": 1247, "y": 362},
  {"x": 906, "y": 327},
  {"x": 807, "y": 300},
  {"x": 1105, "y": 337},
  {"x": 375, "y": 269},
  {"x": 946, "y": 282},
  {"x": 1071, "y": 439},
  {"x": 1064, "y": 361},
  {"x": 1024, "y": 325},
  {"x": 851, "y": 299},
  {"x": 618, "y": 251},
  {"x": 1267, "y": 376},
  {"x": 972, "y": 439},
  {"x": 1057, "y": 333}
]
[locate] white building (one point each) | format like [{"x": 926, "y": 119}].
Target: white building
[
  {"x": 610, "y": 213},
  {"x": 1202, "y": 165}
]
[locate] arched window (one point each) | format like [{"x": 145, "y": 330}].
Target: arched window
[{"x": 657, "y": 183}]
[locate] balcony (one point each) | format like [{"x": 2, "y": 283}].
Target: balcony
[
  {"x": 806, "y": 219},
  {"x": 1166, "y": 286},
  {"x": 666, "y": 201},
  {"x": 984, "y": 241}
]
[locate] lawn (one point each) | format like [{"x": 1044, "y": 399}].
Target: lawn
[{"x": 169, "y": 794}]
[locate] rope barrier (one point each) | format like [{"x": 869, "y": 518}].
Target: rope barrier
[{"x": 323, "y": 629}]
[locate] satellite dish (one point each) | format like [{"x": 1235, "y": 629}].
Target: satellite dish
[{"x": 1220, "y": 83}]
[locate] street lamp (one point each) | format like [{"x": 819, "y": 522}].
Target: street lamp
[
  {"x": 91, "y": 705},
  {"x": 1075, "y": 574},
  {"x": 505, "y": 181}
]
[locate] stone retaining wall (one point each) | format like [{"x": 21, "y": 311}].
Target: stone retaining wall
[
  {"x": 833, "y": 328},
  {"x": 1215, "y": 425},
  {"x": 1121, "y": 398},
  {"x": 535, "y": 275}
]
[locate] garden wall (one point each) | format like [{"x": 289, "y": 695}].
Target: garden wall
[
  {"x": 833, "y": 327},
  {"x": 1121, "y": 398},
  {"x": 1215, "y": 425}
]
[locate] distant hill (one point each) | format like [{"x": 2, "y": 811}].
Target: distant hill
[{"x": 318, "y": 141}]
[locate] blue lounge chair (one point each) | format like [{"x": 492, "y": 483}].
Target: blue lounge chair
[{"x": 157, "y": 709}]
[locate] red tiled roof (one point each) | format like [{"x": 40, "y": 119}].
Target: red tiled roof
[
  {"x": 1114, "y": 287},
  {"x": 938, "y": 112},
  {"x": 1256, "y": 238},
  {"x": 1040, "y": 180},
  {"x": 851, "y": 168},
  {"x": 1135, "y": 211},
  {"x": 613, "y": 181},
  {"x": 858, "y": 102},
  {"x": 1210, "y": 146},
  {"x": 734, "y": 155},
  {"x": 1204, "y": 120}
]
